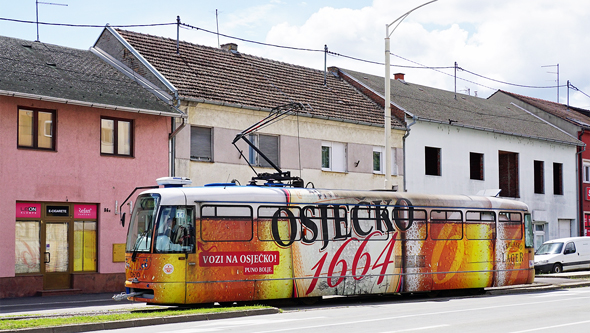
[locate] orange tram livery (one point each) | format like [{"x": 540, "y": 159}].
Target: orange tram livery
[{"x": 226, "y": 243}]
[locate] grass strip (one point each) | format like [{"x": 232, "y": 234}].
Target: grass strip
[{"x": 102, "y": 318}]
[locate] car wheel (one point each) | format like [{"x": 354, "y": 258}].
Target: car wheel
[{"x": 557, "y": 268}]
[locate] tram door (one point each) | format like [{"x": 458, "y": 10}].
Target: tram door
[{"x": 56, "y": 255}]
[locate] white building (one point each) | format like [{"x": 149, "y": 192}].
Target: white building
[{"x": 460, "y": 144}]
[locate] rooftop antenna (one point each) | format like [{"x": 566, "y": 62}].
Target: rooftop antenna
[
  {"x": 37, "y": 2},
  {"x": 178, "y": 34},
  {"x": 557, "y": 78}
]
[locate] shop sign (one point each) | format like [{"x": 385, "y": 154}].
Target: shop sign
[
  {"x": 57, "y": 210},
  {"x": 588, "y": 193},
  {"x": 84, "y": 211},
  {"x": 28, "y": 210}
]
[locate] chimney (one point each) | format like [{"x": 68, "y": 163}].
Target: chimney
[
  {"x": 398, "y": 76},
  {"x": 230, "y": 47}
]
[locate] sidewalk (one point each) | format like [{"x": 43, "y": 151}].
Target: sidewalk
[{"x": 91, "y": 304}]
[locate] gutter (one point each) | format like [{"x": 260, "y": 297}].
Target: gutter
[
  {"x": 404, "y": 149},
  {"x": 90, "y": 104}
]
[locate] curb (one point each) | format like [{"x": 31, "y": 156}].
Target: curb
[
  {"x": 145, "y": 322},
  {"x": 535, "y": 288}
]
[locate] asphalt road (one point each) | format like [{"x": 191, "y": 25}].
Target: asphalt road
[{"x": 565, "y": 310}]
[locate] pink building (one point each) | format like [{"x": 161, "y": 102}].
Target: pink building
[{"x": 76, "y": 137}]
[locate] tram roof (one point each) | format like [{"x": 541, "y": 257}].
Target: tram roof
[{"x": 243, "y": 195}]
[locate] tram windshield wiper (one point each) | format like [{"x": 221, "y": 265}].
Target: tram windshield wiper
[{"x": 136, "y": 247}]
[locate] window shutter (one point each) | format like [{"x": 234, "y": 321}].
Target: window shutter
[
  {"x": 269, "y": 145},
  {"x": 201, "y": 143}
]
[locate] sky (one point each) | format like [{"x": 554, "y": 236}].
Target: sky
[{"x": 513, "y": 45}]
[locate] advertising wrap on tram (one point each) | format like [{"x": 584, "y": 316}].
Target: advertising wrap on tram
[{"x": 243, "y": 243}]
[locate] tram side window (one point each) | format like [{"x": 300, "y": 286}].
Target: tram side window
[
  {"x": 446, "y": 225},
  {"x": 324, "y": 223},
  {"x": 176, "y": 230},
  {"x": 364, "y": 222},
  {"x": 480, "y": 225},
  {"x": 226, "y": 223},
  {"x": 279, "y": 223},
  {"x": 411, "y": 221},
  {"x": 510, "y": 226}
]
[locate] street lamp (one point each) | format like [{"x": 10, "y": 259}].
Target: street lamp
[{"x": 387, "y": 106}]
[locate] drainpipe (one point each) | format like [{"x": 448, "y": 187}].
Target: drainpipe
[
  {"x": 404, "y": 148},
  {"x": 172, "y": 141},
  {"x": 580, "y": 184}
]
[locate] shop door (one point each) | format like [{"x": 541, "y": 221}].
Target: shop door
[{"x": 56, "y": 256}]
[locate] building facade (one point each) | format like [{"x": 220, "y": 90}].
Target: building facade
[
  {"x": 576, "y": 122},
  {"x": 77, "y": 136},
  {"x": 460, "y": 144},
  {"x": 334, "y": 140}
]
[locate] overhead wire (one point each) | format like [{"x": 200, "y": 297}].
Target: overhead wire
[{"x": 420, "y": 66}]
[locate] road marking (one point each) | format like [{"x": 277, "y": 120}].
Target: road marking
[
  {"x": 568, "y": 292},
  {"x": 554, "y": 326},
  {"x": 417, "y": 329},
  {"x": 229, "y": 324}
]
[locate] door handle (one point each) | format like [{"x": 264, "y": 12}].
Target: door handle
[
  {"x": 191, "y": 264},
  {"x": 47, "y": 257}
]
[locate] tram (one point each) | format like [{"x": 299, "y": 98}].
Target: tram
[{"x": 225, "y": 243}]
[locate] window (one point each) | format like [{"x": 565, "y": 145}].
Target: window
[
  {"x": 446, "y": 224},
  {"x": 432, "y": 161},
  {"x": 334, "y": 156},
  {"x": 558, "y": 178},
  {"x": 508, "y": 174},
  {"x": 116, "y": 137},
  {"x": 539, "y": 181},
  {"x": 269, "y": 145},
  {"x": 27, "y": 238},
  {"x": 509, "y": 226},
  {"x": 85, "y": 246},
  {"x": 476, "y": 166},
  {"x": 378, "y": 160},
  {"x": 201, "y": 144},
  {"x": 36, "y": 129},
  {"x": 226, "y": 223},
  {"x": 586, "y": 173},
  {"x": 480, "y": 225}
]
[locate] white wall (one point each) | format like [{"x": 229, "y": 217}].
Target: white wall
[{"x": 456, "y": 143}]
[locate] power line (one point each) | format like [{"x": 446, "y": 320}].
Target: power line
[
  {"x": 87, "y": 25},
  {"x": 419, "y": 66}
]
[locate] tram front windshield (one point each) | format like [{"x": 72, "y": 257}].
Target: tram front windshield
[{"x": 141, "y": 226}]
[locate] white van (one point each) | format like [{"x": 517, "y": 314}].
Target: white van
[{"x": 563, "y": 254}]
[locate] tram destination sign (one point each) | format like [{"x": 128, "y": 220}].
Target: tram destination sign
[{"x": 57, "y": 210}]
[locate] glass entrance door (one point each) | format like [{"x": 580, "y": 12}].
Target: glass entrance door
[{"x": 56, "y": 256}]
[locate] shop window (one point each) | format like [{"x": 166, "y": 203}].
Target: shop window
[
  {"x": 84, "y": 246},
  {"x": 27, "y": 245},
  {"x": 333, "y": 156},
  {"x": 539, "y": 178},
  {"x": 558, "y": 178},
  {"x": 201, "y": 144},
  {"x": 116, "y": 137},
  {"x": 36, "y": 129},
  {"x": 508, "y": 174},
  {"x": 432, "y": 161},
  {"x": 268, "y": 145},
  {"x": 476, "y": 166}
]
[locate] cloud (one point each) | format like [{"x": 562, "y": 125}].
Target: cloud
[{"x": 504, "y": 40}]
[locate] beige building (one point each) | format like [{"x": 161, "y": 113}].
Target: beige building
[{"x": 335, "y": 139}]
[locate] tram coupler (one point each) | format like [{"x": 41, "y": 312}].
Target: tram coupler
[{"x": 122, "y": 296}]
